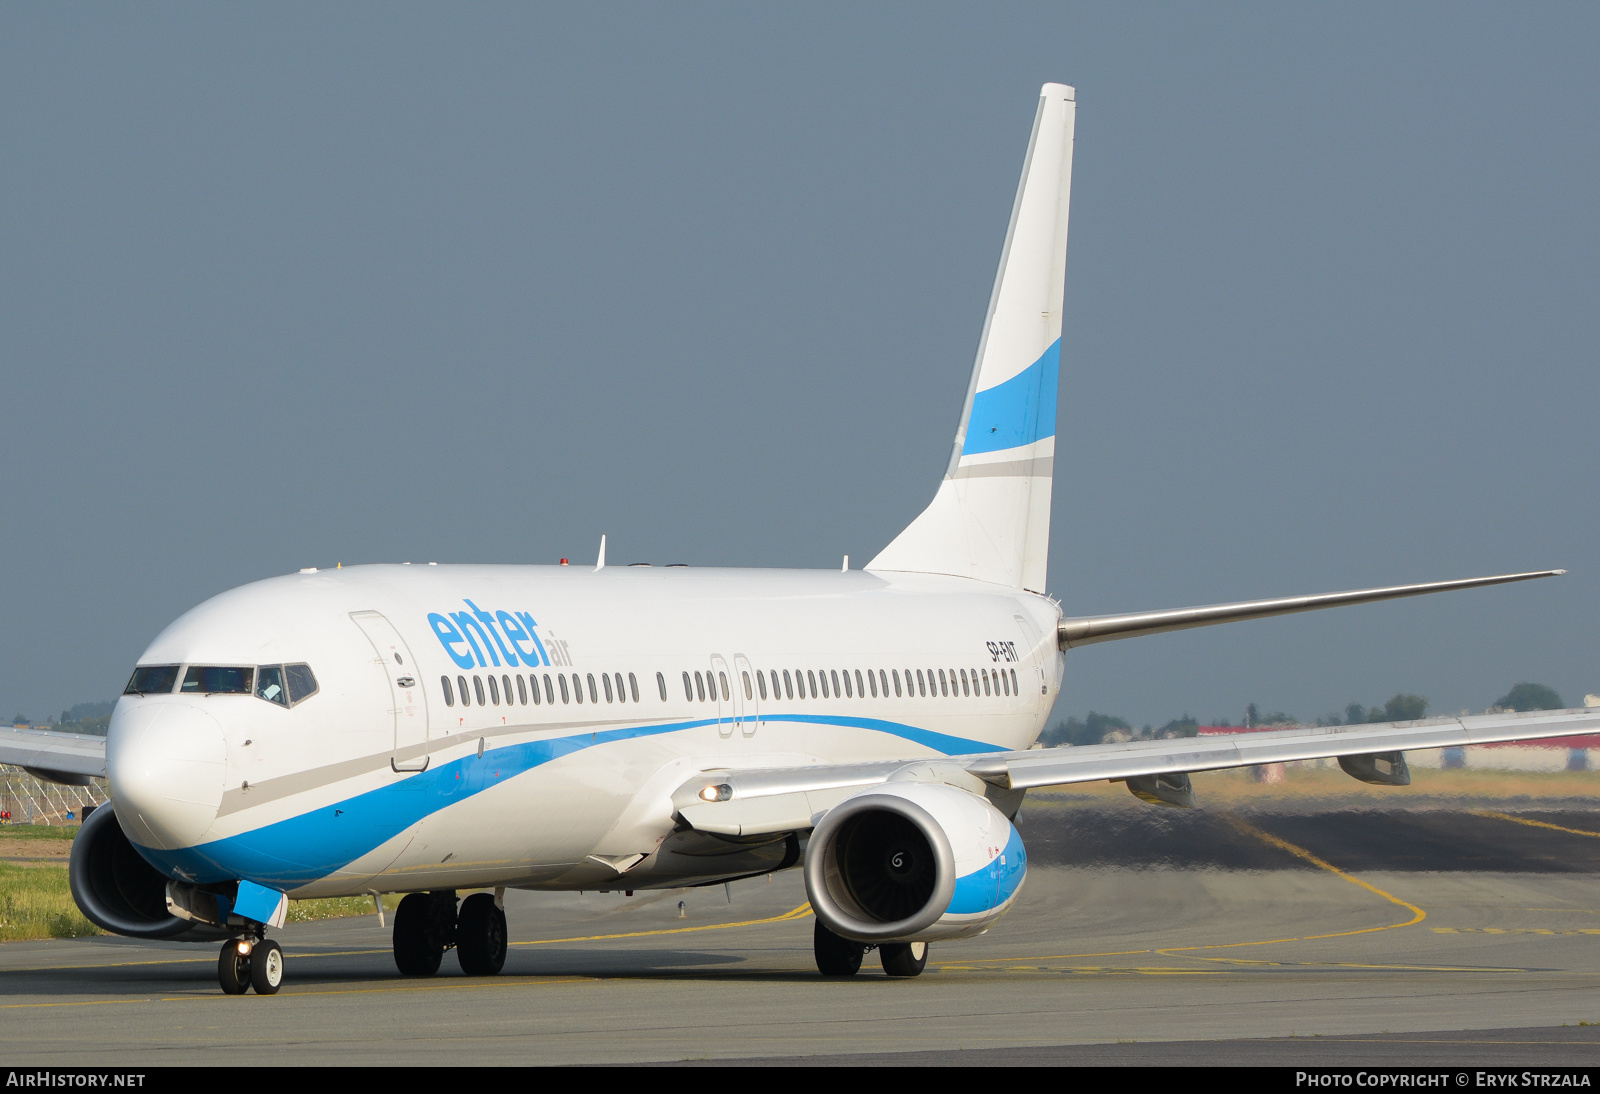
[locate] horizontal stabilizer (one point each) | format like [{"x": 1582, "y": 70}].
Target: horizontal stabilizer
[{"x": 1087, "y": 630}]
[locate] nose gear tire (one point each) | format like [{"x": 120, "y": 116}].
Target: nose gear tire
[
  {"x": 233, "y": 969},
  {"x": 266, "y": 967}
]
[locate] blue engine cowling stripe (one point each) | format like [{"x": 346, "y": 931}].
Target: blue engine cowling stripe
[
  {"x": 301, "y": 849},
  {"x": 992, "y": 885}
]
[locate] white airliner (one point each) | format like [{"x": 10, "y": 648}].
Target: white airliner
[{"x": 427, "y": 729}]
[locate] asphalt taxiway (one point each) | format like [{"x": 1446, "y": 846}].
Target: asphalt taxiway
[{"x": 1300, "y": 934}]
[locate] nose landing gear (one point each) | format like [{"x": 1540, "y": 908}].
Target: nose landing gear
[
  {"x": 427, "y": 924},
  {"x": 250, "y": 962}
]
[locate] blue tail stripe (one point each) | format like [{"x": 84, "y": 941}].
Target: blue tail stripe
[
  {"x": 1018, "y": 412},
  {"x": 297, "y": 851}
]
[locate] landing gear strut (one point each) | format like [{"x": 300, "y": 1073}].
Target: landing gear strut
[{"x": 247, "y": 963}]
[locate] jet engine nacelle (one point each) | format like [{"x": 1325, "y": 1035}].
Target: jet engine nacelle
[
  {"x": 913, "y": 862},
  {"x": 118, "y": 890}
]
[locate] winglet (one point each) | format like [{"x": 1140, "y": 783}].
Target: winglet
[{"x": 600, "y": 563}]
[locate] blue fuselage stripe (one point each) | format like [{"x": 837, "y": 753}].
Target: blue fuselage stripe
[{"x": 294, "y": 852}]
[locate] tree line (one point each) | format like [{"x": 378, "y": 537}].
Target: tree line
[{"x": 1097, "y": 728}]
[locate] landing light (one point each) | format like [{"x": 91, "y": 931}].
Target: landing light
[{"x": 720, "y": 792}]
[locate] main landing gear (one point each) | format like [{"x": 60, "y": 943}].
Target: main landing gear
[
  {"x": 838, "y": 956},
  {"x": 427, "y": 924},
  {"x": 250, "y": 962}
]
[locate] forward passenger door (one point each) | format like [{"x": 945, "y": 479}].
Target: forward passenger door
[{"x": 409, "y": 701}]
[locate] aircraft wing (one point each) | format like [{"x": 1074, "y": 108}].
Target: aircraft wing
[
  {"x": 751, "y": 802},
  {"x": 70, "y": 758}
]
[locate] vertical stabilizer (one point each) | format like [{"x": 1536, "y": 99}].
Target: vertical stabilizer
[{"x": 991, "y": 517}]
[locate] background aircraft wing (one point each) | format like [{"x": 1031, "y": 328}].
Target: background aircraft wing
[
  {"x": 754, "y": 801},
  {"x": 69, "y": 758}
]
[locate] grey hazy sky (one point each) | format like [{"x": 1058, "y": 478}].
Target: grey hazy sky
[{"x": 292, "y": 285}]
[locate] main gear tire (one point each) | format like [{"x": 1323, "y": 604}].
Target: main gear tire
[
  {"x": 903, "y": 958},
  {"x": 417, "y": 948},
  {"x": 836, "y": 956},
  {"x": 481, "y": 936}
]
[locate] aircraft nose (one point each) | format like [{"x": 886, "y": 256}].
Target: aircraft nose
[{"x": 166, "y": 763}]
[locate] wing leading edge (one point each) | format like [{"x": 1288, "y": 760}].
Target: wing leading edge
[{"x": 69, "y": 758}]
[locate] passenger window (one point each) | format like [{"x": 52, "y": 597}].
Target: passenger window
[
  {"x": 985, "y": 683},
  {"x": 761, "y": 683},
  {"x": 872, "y": 683},
  {"x": 965, "y": 690},
  {"x": 661, "y": 685},
  {"x": 477, "y": 688},
  {"x": 494, "y": 691},
  {"x": 788, "y": 691},
  {"x": 533, "y": 686},
  {"x": 449, "y": 696},
  {"x": 748, "y": 694},
  {"x": 1014, "y": 689},
  {"x": 522, "y": 691},
  {"x": 944, "y": 687},
  {"x": 776, "y": 685},
  {"x": 505, "y": 684},
  {"x": 606, "y": 680},
  {"x": 921, "y": 687},
  {"x": 812, "y": 678},
  {"x": 688, "y": 688},
  {"x": 152, "y": 680},
  {"x": 302, "y": 683},
  {"x": 549, "y": 692},
  {"x": 849, "y": 689},
  {"x": 883, "y": 682},
  {"x": 894, "y": 674},
  {"x": 632, "y": 681},
  {"x": 269, "y": 685},
  {"x": 594, "y": 696},
  {"x": 461, "y": 686},
  {"x": 824, "y": 674},
  {"x": 723, "y": 678},
  {"x": 218, "y": 680},
  {"x": 861, "y": 691},
  {"x": 562, "y": 680}
]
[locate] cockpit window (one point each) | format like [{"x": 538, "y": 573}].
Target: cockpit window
[
  {"x": 269, "y": 685},
  {"x": 152, "y": 680},
  {"x": 218, "y": 679},
  {"x": 302, "y": 684}
]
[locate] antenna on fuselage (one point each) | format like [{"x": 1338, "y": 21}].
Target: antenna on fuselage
[{"x": 600, "y": 563}]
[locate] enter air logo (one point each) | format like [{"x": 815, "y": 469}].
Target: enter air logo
[{"x": 504, "y": 638}]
